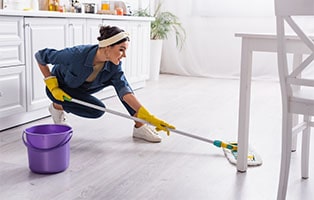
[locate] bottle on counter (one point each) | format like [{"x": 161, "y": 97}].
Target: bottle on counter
[{"x": 53, "y": 5}]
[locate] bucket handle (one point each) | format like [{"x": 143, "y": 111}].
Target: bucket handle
[{"x": 28, "y": 144}]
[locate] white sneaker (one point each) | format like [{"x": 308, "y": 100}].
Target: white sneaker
[
  {"x": 146, "y": 133},
  {"x": 58, "y": 116}
]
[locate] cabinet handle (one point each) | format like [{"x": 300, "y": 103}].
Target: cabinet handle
[
  {"x": 70, "y": 25},
  {"x": 1, "y": 94},
  {"x": 26, "y": 25}
]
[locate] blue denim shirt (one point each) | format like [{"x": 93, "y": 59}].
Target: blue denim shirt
[{"x": 73, "y": 65}]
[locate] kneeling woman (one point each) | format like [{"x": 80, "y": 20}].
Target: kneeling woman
[{"x": 82, "y": 70}]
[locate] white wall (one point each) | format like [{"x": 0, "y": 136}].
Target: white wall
[
  {"x": 211, "y": 48},
  {"x": 225, "y": 8}
]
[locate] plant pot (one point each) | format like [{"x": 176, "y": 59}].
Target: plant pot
[{"x": 155, "y": 59}]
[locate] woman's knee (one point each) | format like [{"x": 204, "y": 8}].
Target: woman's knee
[
  {"x": 93, "y": 112},
  {"x": 97, "y": 113}
]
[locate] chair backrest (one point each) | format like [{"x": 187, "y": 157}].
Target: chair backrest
[
  {"x": 294, "y": 7},
  {"x": 284, "y": 10}
]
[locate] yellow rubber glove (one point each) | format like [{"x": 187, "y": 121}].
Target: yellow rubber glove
[
  {"x": 160, "y": 124},
  {"x": 53, "y": 86}
]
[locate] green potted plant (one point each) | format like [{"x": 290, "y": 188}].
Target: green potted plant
[{"x": 164, "y": 24}]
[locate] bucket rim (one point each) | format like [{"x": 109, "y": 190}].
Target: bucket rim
[
  {"x": 28, "y": 132},
  {"x": 29, "y": 145}
]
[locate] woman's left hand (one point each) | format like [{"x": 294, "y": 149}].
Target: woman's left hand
[{"x": 160, "y": 124}]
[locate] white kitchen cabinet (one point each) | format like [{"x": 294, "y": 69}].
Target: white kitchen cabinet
[
  {"x": 140, "y": 51},
  {"x": 76, "y": 34},
  {"x": 11, "y": 41},
  {"x": 41, "y": 33},
  {"x": 12, "y": 69},
  {"x": 92, "y": 32},
  {"x": 47, "y": 33},
  {"x": 22, "y": 89},
  {"x": 12, "y": 91}
]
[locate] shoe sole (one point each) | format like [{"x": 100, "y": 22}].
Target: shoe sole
[{"x": 146, "y": 139}]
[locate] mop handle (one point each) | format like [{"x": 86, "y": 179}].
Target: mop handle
[
  {"x": 217, "y": 143},
  {"x": 106, "y": 110}
]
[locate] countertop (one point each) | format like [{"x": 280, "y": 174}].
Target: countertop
[{"x": 71, "y": 15}]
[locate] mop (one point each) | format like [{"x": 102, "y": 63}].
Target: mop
[
  {"x": 229, "y": 148},
  {"x": 253, "y": 158}
]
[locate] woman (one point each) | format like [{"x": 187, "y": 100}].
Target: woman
[{"x": 82, "y": 70}]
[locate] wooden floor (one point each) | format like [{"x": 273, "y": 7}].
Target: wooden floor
[{"x": 107, "y": 163}]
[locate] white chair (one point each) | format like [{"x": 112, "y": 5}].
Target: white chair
[{"x": 298, "y": 101}]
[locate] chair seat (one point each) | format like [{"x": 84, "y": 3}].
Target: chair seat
[{"x": 302, "y": 102}]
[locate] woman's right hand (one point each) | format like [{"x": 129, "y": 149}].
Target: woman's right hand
[{"x": 53, "y": 86}]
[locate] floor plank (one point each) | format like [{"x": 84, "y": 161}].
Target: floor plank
[{"x": 107, "y": 163}]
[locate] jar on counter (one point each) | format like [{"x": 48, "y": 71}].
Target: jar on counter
[
  {"x": 89, "y": 8},
  {"x": 119, "y": 11},
  {"x": 105, "y": 5}
]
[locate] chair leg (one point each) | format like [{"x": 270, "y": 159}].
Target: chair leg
[
  {"x": 294, "y": 142},
  {"x": 285, "y": 155},
  {"x": 295, "y": 121},
  {"x": 305, "y": 149}
]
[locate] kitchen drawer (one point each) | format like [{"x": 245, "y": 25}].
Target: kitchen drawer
[
  {"x": 11, "y": 41},
  {"x": 12, "y": 91}
]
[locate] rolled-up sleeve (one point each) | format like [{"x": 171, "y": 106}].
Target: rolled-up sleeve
[
  {"x": 40, "y": 56},
  {"x": 121, "y": 84},
  {"x": 53, "y": 56}
]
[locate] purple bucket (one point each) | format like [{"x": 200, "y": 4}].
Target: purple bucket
[{"x": 48, "y": 147}]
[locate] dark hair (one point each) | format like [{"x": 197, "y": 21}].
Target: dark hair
[{"x": 109, "y": 31}]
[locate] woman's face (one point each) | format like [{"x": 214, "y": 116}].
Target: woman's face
[{"x": 116, "y": 53}]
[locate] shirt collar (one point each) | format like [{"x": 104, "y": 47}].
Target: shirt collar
[
  {"x": 90, "y": 56},
  {"x": 90, "y": 59}
]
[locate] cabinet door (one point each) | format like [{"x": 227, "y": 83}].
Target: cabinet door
[
  {"x": 11, "y": 41},
  {"x": 76, "y": 32},
  {"x": 12, "y": 90},
  {"x": 41, "y": 33},
  {"x": 134, "y": 65},
  {"x": 143, "y": 46},
  {"x": 141, "y": 50},
  {"x": 92, "y": 31}
]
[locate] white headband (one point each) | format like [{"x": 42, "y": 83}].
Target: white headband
[{"x": 113, "y": 39}]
